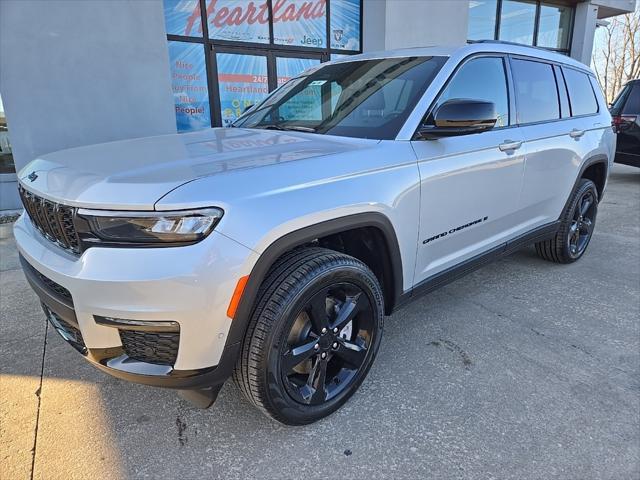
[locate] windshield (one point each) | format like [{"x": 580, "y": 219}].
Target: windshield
[{"x": 364, "y": 98}]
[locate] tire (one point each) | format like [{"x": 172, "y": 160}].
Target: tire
[
  {"x": 289, "y": 368},
  {"x": 576, "y": 226}
]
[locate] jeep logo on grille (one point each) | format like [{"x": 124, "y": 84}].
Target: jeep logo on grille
[{"x": 32, "y": 176}]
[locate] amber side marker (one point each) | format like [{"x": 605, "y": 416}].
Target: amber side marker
[{"x": 237, "y": 295}]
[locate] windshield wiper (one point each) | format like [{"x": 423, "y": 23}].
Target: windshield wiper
[{"x": 297, "y": 128}]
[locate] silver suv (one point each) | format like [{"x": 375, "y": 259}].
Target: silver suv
[{"x": 272, "y": 251}]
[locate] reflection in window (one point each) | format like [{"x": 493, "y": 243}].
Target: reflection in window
[
  {"x": 6, "y": 157},
  {"x": 517, "y": 21},
  {"x": 482, "y": 19},
  {"x": 536, "y": 91},
  {"x": 554, "y": 26},
  {"x": 583, "y": 100},
  {"x": 374, "y": 98},
  {"x": 481, "y": 79}
]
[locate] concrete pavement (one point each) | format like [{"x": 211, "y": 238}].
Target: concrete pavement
[{"x": 524, "y": 369}]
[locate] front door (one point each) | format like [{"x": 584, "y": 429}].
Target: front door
[{"x": 471, "y": 184}]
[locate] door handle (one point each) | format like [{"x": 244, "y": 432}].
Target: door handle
[
  {"x": 575, "y": 133},
  {"x": 509, "y": 145}
]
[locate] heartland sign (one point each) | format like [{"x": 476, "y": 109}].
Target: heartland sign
[{"x": 253, "y": 13}]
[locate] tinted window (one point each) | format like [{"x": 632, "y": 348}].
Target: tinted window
[
  {"x": 481, "y": 79},
  {"x": 536, "y": 92},
  {"x": 583, "y": 100},
  {"x": 621, "y": 99},
  {"x": 632, "y": 105}
]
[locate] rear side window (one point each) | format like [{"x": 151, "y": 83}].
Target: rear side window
[
  {"x": 632, "y": 105},
  {"x": 621, "y": 99},
  {"x": 536, "y": 91},
  {"x": 481, "y": 79},
  {"x": 581, "y": 95}
]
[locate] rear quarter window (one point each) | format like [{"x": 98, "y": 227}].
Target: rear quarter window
[{"x": 581, "y": 95}]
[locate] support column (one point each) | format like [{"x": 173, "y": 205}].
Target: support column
[{"x": 584, "y": 29}]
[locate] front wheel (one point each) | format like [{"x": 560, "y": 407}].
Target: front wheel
[
  {"x": 313, "y": 335},
  {"x": 576, "y": 227}
]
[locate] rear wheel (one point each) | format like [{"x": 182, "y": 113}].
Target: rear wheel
[
  {"x": 576, "y": 228},
  {"x": 313, "y": 335}
]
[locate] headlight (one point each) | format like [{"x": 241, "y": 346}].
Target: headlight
[{"x": 177, "y": 227}]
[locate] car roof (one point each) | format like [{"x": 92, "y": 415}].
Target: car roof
[{"x": 485, "y": 46}]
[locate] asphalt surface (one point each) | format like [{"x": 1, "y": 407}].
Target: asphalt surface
[{"x": 524, "y": 369}]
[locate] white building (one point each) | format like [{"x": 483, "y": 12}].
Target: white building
[{"x": 75, "y": 73}]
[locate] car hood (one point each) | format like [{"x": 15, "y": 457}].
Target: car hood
[{"x": 135, "y": 174}]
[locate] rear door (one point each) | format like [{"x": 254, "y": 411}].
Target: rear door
[
  {"x": 470, "y": 184},
  {"x": 556, "y": 142}
]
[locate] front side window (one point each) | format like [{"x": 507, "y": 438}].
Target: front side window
[
  {"x": 364, "y": 99},
  {"x": 583, "y": 100},
  {"x": 481, "y": 79},
  {"x": 536, "y": 91}
]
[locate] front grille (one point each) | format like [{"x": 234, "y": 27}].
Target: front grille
[
  {"x": 53, "y": 220},
  {"x": 149, "y": 347},
  {"x": 69, "y": 332}
]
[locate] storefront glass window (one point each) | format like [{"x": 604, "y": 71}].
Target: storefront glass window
[
  {"x": 288, "y": 67},
  {"x": 239, "y": 20},
  {"x": 189, "y": 85},
  {"x": 242, "y": 81},
  {"x": 555, "y": 23},
  {"x": 182, "y": 17},
  {"x": 300, "y": 23},
  {"x": 250, "y": 47},
  {"x": 517, "y": 21},
  {"x": 345, "y": 24},
  {"x": 482, "y": 19},
  {"x": 6, "y": 157}
]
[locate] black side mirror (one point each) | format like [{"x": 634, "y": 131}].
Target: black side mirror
[{"x": 460, "y": 117}]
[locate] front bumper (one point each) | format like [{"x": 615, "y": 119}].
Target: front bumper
[{"x": 190, "y": 286}]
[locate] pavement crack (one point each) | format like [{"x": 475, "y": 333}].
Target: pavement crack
[{"x": 38, "y": 393}]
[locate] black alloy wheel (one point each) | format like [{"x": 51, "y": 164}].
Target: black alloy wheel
[
  {"x": 313, "y": 335},
  {"x": 582, "y": 224},
  {"x": 327, "y": 344},
  {"x": 576, "y": 226}
]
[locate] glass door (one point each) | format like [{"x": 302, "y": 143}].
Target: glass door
[{"x": 245, "y": 76}]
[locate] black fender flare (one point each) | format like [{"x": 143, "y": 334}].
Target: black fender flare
[{"x": 305, "y": 235}]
